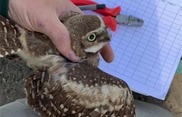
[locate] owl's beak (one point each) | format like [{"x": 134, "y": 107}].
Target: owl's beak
[{"x": 106, "y": 36}]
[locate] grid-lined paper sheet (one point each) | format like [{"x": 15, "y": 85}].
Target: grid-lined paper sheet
[{"x": 147, "y": 57}]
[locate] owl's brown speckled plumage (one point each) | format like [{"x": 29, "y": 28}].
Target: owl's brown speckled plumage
[{"x": 61, "y": 88}]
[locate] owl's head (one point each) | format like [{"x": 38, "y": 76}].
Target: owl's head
[
  {"x": 95, "y": 35},
  {"x": 88, "y": 34}
]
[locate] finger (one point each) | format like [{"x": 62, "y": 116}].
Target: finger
[
  {"x": 59, "y": 35},
  {"x": 73, "y": 7},
  {"x": 107, "y": 53},
  {"x": 68, "y": 6}
]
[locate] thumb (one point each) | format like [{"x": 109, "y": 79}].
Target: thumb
[
  {"x": 107, "y": 53},
  {"x": 59, "y": 35}
]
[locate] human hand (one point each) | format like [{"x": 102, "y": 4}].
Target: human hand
[{"x": 43, "y": 16}]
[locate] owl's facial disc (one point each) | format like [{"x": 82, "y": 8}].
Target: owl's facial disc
[
  {"x": 97, "y": 38},
  {"x": 97, "y": 41}
]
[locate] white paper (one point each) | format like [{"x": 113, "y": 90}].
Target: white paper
[{"x": 147, "y": 57}]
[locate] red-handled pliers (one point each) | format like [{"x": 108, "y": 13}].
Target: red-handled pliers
[{"x": 112, "y": 16}]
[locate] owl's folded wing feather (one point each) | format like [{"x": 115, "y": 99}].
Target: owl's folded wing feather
[
  {"x": 74, "y": 90},
  {"x": 9, "y": 34}
]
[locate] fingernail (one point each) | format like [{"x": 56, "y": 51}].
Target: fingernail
[{"x": 73, "y": 57}]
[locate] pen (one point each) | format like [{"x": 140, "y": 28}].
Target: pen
[{"x": 92, "y": 7}]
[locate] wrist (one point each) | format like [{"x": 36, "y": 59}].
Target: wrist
[{"x": 4, "y": 7}]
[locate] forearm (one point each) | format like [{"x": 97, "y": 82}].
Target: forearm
[{"x": 4, "y": 8}]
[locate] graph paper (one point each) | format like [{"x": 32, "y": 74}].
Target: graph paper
[{"x": 146, "y": 57}]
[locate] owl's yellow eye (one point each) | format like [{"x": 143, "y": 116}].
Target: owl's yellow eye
[{"x": 92, "y": 37}]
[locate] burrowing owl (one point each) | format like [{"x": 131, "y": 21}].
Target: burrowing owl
[{"x": 62, "y": 88}]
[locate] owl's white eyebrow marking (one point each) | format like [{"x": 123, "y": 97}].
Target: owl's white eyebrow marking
[{"x": 102, "y": 22}]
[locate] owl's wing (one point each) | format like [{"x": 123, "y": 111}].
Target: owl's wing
[
  {"x": 9, "y": 34},
  {"x": 78, "y": 90}
]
